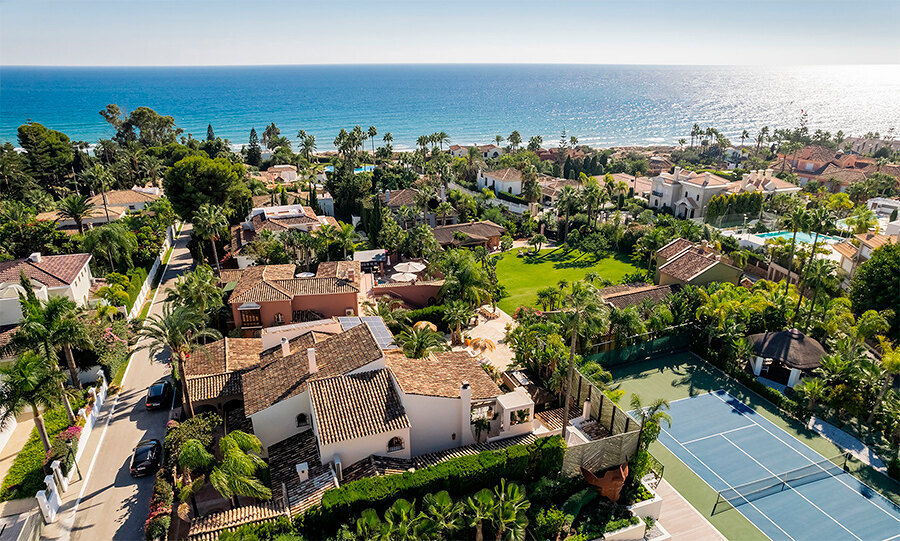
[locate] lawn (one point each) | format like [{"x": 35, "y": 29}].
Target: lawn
[
  {"x": 683, "y": 375},
  {"x": 523, "y": 276}
]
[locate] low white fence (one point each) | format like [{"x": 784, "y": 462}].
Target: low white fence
[
  {"x": 50, "y": 499},
  {"x": 151, "y": 275}
]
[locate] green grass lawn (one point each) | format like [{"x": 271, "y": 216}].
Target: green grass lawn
[
  {"x": 523, "y": 276},
  {"x": 683, "y": 375}
]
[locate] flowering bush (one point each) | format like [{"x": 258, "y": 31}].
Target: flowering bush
[
  {"x": 159, "y": 519},
  {"x": 60, "y": 449}
]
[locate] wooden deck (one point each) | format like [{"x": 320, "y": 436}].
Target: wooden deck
[{"x": 681, "y": 519}]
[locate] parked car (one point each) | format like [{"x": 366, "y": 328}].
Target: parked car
[
  {"x": 159, "y": 395},
  {"x": 146, "y": 459}
]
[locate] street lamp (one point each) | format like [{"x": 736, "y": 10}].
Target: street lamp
[{"x": 71, "y": 454}]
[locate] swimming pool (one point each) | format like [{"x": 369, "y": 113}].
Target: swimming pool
[
  {"x": 368, "y": 168},
  {"x": 801, "y": 237}
]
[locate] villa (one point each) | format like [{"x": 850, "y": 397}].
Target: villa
[
  {"x": 852, "y": 254},
  {"x": 832, "y": 168},
  {"x": 268, "y": 295},
  {"x": 507, "y": 180},
  {"x": 489, "y": 151},
  {"x": 275, "y": 219},
  {"x": 394, "y": 200},
  {"x": 484, "y": 233},
  {"x": 118, "y": 204},
  {"x": 684, "y": 263}
]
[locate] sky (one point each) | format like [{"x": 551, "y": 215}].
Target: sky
[{"x": 249, "y": 32}]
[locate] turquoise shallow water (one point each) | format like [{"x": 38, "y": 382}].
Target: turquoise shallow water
[
  {"x": 801, "y": 237},
  {"x": 601, "y": 105}
]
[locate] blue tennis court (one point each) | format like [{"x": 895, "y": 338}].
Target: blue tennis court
[{"x": 728, "y": 445}]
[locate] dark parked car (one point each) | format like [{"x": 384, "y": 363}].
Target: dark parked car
[
  {"x": 159, "y": 395},
  {"x": 146, "y": 459}
]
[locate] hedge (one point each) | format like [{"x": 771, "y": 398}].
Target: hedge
[
  {"x": 138, "y": 275},
  {"x": 512, "y": 198},
  {"x": 458, "y": 476},
  {"x": 433, "y": 314}
]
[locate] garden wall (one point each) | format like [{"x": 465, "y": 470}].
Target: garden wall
[{"x": 151, "y": 274}]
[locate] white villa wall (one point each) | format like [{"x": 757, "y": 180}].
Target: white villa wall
[
  {"x": 352, "y": 451},
  {"x": 434, "y": 422},
  {"x": 508, "y": 186},
  {"x": 279, "y": 421}
]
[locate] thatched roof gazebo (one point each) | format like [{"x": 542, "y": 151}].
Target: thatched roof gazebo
[{"x": 792, "y": 349}]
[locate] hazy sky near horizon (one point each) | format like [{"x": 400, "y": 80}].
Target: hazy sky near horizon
[{"x": 247, "y": 32}]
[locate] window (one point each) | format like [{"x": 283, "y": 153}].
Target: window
[
  {"x": 279, "y": 317},
  {"x": 302, "y": 420},
  {"x": 395, "y": 444},
  {"x": 250, "y": 318}
]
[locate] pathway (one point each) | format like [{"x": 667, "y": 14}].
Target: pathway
[
  {"x": 680, "y": 518},
  {"x": 494, "y": 330},
  {"x": 848, "y": 443},
  {"x": 109, "y": 503}
]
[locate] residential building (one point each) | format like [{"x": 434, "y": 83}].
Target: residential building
[
  {"x": 835, "y": 169},
  {"x": 623, "y": 296},
  {"x": 395, "y": 200},
  {"x": 275, "y": 219},
  {"x": 269, "y": 295},
  {"x": 507, "y": 180},
  {"x": 864, "y": 145},
  {"x": 852, "y": 254},
  {"x": 490, "y": 151},
  {"x": 552, "y": 186},
  {"x": 883, "y": 206},
  {"x": 50, "y": 276},
  {"x": 685, "y": 263},
  {"x": 658, "y": 164},
  {"x": 282, "y": 173},
  {"x": 484, "y": 233},
  {"x": 118, "y": 204}
]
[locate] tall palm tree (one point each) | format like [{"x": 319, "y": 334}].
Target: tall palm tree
[
  {"x": 196, "y": 289},
  {"x": 456, "y": 315},
  {"x": 508, "y": 517},
  {"x": 16, "y": 213},
  {"x": 114, "y": 241},
  {"x": 797, "y": 221},
  {"x": 862, "y": 220},
  {"x": 819, "y": 220},
  {"x": 652, "y": 417},
  {"x": 209, "y": 222},
  {"x": 498, "y": 139},
  {"x": 372, "y": 132},
  {"x": 581, "y": 301},
  {"x": 29, "y": 382},
  {"x": 820, "y": 274},
  {"x": 418, "y": 343},
  {"x": 179, "y": 330},
  {"x": 480, "y": 508},
  {"x": 75, "y": 207},
  {"x": 443, "y": 210},
  {"x": 890, "y": 367},
  {"x": 346, "y": 237},
  {"x": 325, "y": 237},
  {"x": 695, "y": 132},
  {"x": 565, "y": 201},
  {"x": 99, "y": 178}
]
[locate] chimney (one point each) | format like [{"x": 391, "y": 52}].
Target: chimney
[
  {"x": 443, "y": 194},
  {"x": 744, "y": 178},
  {"x": 387, "y": 197},
  {"x": 35, "y": 257},
  {"x": 351, "y": 275},
  {"x": 465, "y": 414},
  {"x": 285, "y": 347},
  {"x": 706, "y": 178},
  {"x": 303, "y": 471},
  {"x": 769, "y": 174},
  {"x": 311, "y": 355},
  {"x": 338, "y": 468},
  {"x": 677, "y": 173},
  {"x": 586, "y": 409}
]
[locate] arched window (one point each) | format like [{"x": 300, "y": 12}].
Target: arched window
[
  {"x": 395, "y": 444},
  {"x": 302, "y": 420}
]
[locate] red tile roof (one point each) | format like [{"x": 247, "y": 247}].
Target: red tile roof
[
  {"x": 441, "y": 374},
  {"x": 52, "y": 270}
]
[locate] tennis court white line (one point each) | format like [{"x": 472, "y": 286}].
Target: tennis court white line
[
  {"x": 739, "y": 448},
  {"x": 728, "y": 485},
  {"x": 718, "y": 434},
  {"x": 811, "y": 461},
  {"x": 892, "y": 537}
]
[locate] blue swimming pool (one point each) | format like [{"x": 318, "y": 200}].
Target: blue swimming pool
[
  {"x": 801, "y": 237},
  {"x": 368, "y": 168}
]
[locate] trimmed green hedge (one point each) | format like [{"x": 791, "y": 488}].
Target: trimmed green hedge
[
  {"x": 433, "y": 314},
  {"x": 138, "y": 275},
  {"x": 512, "y": 198},
  {"x": 458, "y": 476}
]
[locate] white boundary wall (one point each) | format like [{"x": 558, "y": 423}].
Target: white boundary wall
[{"x": 145, "y": 289}]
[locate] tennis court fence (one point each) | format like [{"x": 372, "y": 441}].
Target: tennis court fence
[
  {"x": 643, "y": 346},
  {"x": 749, "y": 492}
]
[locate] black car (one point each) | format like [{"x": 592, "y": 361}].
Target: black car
[
  {"x": 159, "y": 395},
  {"x": 146, "y": 459}
]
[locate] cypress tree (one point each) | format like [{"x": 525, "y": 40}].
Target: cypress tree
[
  {"x": 210, "y": 136},
  {"x": 254, "y": 153},
  {"x": 313, "y": 200},
  {"x": 567, "y": 168}
]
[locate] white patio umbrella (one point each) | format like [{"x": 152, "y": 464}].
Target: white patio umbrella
[
  {"x": 403, "y": 277},
  {"x": 410, "y": 266}
]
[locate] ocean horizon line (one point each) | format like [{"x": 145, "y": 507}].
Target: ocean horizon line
[{"x": 426, "y": 64}]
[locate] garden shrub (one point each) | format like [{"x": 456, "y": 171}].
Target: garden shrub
[
  {"x": 512, "y": 198},
  {"x": 137, "y": 276},
  {"x": 458, "y": 476},
  {"x": 59, "y": 449},
  {"x": 549, "y": 523},
  {"x": 159, "y": 519},
  {"x": 198, "y": 427},
  {"x": 432, "y": 314}
]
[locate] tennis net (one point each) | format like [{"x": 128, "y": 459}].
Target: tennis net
[{"x": 755, "y": 490}]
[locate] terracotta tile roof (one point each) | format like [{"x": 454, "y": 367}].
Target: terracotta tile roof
[
  {"x": 230, "y": 275},
  {"x": 509, "y": 174},
  {"x": 278, "y": 378},
  {"x": 52, "y": 271},
  {"x": 214, "y": 386},
  {"x": 891, "y": 169},
  {"x": 224, "y": 356},
  {"x": 637, "y": 295},
  {"x": 268, "y": 283},
  {"x": 6, "y": 332},
  {"x": 704, "y": 179},
  {"x": 400, "y": 198},
  {"x": 846, "y": 249},
  {"x": 256, "y": 274},
  {"x": 841, "y": 175},
  {"x": 816, "y": 154},
  {"x": 356, "y": 405},
  {"x": 261, "y": 292},
  {"x": 441, "y": 374},
  {"x": 115, "y": 212},
  {"x": 445, "y": 234},
  {"x": 876, "y": 240},
  {"x": 688, "y": 264},
  {"x": 340, "y": 269},
  {"x": 208, "y": 527},
  {"x": 315, "y": 286},
  {"x": 673, "y": 248}
]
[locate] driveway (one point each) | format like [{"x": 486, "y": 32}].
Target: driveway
[{"x": 109, "y": 503}]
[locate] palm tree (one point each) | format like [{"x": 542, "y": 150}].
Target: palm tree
[
  {"x": 537, "y": 241},
  {"x": 480, "y": 508},
  {"x": 582, "y": 300},
  {"x": 508, "y": 515},
  {"x": 744, "y": 135},
  {"x": 456, "y": 315},
  {"x": 179, "y": 330},
  {"x": 443, "y": 210},
  {"x": 498, "y": 139},
  {"x": 442, "y": 138},
  {"x": 389, "y": 309},
  {"x": 372, "y": 132},
  {"x": 418, "y": 343},
  {"x": 99, "y": 178},
  {"x": 695, "y": 132},
  {"x": 652, "y": 417},
  {"x": 797, "y": 221},
  {"x": 890, "y": 367},
  {"x": 445, "y": 514},
  {"x": 112, "y": 240},
  {"x": 346, "y": 237},
  {"x": 565, "y": 201},
  {"x": 16, "y": 213},
  {"x": 197, "y": 289},
  {"x": 209, "y": 222},
  {"x": 819, "y": 220},
  {"x": 236, "y": 472},
  {"x": 403, "y": 523},
  {"x": 325, "y": 236},
  {"x": 29, "y": 382},
  {"x": 75, "y": 207},
  {"x": 464, "y": 280},
  {"x": 820, "y": 274},
  {"x": 862, "y": 220}
]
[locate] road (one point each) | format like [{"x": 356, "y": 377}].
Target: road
[{"x": 109, "y": 503}]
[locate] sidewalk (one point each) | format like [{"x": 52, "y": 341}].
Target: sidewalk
[{"x": 848, "y": 443}]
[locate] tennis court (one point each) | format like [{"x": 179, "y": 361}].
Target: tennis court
[{"x": 782, "y": 486}]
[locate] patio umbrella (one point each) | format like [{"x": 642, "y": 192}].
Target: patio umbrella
[
  {"x": 425, "y": 325},
  {"x": 410, "y": 266},
  {"x": 483, "y": 344},
  {"x": 403, "y": 277}
]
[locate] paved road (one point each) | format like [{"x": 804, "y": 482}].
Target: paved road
[{"x": 108, "y": 503}]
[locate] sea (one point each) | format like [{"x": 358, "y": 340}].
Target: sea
[{"x": 602, "y": 105}]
